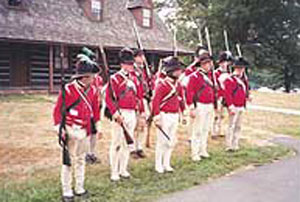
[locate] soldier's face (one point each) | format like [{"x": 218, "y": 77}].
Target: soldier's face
[
  {"x": 127, "y": 67},
  {"x": 177, "y": 73},
  {"x": 139, "y": 60},
  {"x": 239, "y": 70},
  {"x": 207, "y": 65},
  {"x": 225, "y": 64},
  {"x": 87, "y": 80}
]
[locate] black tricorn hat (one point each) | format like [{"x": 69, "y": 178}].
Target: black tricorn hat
[
  {"x": 138, "y": 52},
  {"x": 84, "y": 68},
  {"x": 126, "y": 56},
  {"x": 240, "y": 62},
  {"x": 201, "y": 49},
  {"x": 204, "y": 58},
  {"x": 225, "y": 56},
  {"x": 171, "y": 64}
]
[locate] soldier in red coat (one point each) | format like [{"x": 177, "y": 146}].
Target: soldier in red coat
[
  {"x": 236, "y": 97},
  {"x": 124, "y": 98},
  {"x": 221, "y": 74},
  {"x": 167, "y": 103},
  {"x": 76, "y": 111},
  {"x": 200, "y": 51},
  {"x": 200, "y": 99}
]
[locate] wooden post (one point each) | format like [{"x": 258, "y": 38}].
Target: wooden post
[
  {"x": 62, "y": 67},
  {"x": 51, "y": 61}
]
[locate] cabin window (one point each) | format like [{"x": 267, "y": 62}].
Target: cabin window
[
  {"x": 146, "y": 17},
  {"x": 15, "y": 3},
  {"x": 96, "y": 9}
]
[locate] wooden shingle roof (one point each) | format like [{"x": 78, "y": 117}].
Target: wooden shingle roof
[{"x": 64, "y": 21}]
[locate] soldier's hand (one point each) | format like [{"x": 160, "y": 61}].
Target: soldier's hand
[
  {"x": 142, "y": 121},
  {"x": 99, "y": 135},
  {"x": 249, "y": 99},
  {"x": 56, "y": 128},
  {"x": 193, "y": 113},
  {"x": 118, "y": 118},
  {"x": 231, "y": 112},
  {"x": 183, "y": 118},
  {"x": 157, "y": 120},
  {"x": 184, "y": 121}
]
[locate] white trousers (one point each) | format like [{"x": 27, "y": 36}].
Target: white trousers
[
  {"x": 92, "y": 144},
  {"x": 234, "y": 130},
  {"x": 119, "y": 149},
  {"x": 77, "y": 146},
  {"x": 190, "y": 126},
  {"x": 218, "y": 118},
  {"x": 164, "y": 147},
  {"x": 141, "y": 131},
  {"x": 201, "y": 127},
  {"x": 140, "y": 135}
]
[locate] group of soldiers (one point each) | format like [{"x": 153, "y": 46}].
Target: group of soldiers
[{"x": 134, "y": 97}]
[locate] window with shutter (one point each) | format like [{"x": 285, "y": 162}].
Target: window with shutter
[
  {"x": 96, "y": 9},
  {"x": 146, "y": 17}
]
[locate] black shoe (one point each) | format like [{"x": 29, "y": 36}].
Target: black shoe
[
  {"x": 67, "y": 199},
  {"x": 94, "y": 159},
  {"x": 84, "y": 195},
  {"x": 88, "y": 159},
  {"x": 134, "y": 155},
  {"x": 91, "y": 159},
  {"x": 141, "y": 154},
  {"x": 229, "y": 150}
]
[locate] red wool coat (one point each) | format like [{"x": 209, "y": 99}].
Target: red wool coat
[
  {"x": 168, "y": 97},
  {"x": 200, "y": 88},
  {"x": 82, "y": 113},
  {"x": 128, "y": 91}
]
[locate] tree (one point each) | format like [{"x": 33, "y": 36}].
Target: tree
[{"x": 268, "y": 31}]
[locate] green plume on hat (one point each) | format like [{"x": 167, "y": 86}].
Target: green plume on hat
[
  {"x": 87, "y": 56},
  {"x": 88, "y": 52}
]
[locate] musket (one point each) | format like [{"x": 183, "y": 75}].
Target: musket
[
  {"x": 239, "y": 51},
  {"x": 141, "y": 47},
  {"x": 162, "y": 131},
  {"x": 226, "y": 40},
  {"x": 212, "y": 74},
  {"x": 227, "y": 45},
  {"x": 63, "y": 136},
  {"x": 175, "y": 42},
  {"x": 200, "y": 36},
  {"x": 128, "y": 138},
  {"x": 149, "y": 75}
]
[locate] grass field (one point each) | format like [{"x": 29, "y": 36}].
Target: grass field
[
  {"x": 30, "y": 156},
  {"x": 282, "y": 100}
]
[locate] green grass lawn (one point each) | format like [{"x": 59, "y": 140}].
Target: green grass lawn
[{"x": 145, "y": 185}]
